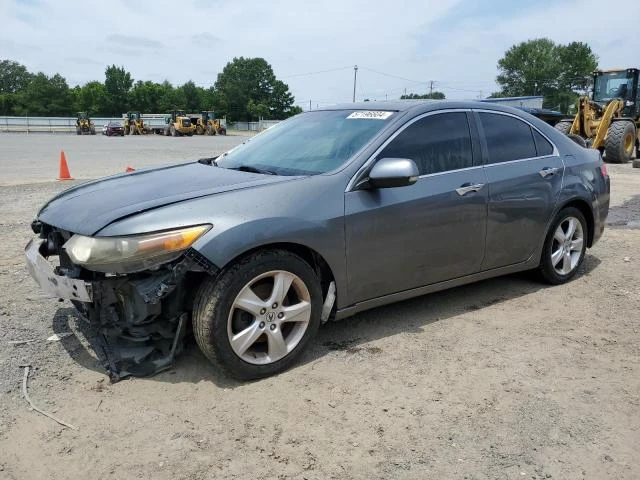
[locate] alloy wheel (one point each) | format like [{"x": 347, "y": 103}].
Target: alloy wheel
[
  {"x": 568, "y": 240},
  {"x": 269, "y": 317}
]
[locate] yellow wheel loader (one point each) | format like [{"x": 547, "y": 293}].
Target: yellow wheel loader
[
  {"x": 608, "y": 120},
  {"x": 84, "y": 125},
  {"x": 177, "y": 123},
  {"x": 134, "y": 125},
  {"x": 208, "y": 124}
]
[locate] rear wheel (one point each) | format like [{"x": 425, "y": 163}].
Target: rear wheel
[
  {"x": 621, "y": 138},
  {"x": 564, "y": 246},
  {"x": 564, "y": 126},
  {"x": 259, "y": 315}
]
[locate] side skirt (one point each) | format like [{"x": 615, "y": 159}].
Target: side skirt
[{"x": 351, "y": 310}]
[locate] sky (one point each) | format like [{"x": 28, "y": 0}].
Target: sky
[{"x": 312, "y": 46}]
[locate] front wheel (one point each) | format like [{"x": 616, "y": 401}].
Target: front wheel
[
  {"x": 621, "y": 138},
  {"x": 564, "y": 247},
  {"x": 259, "y": 315}
]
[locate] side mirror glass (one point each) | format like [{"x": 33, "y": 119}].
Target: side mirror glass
[{"x": 393, "y": 172}]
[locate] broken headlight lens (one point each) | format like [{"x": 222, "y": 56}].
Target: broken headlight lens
[{"x": 134, "y": 253}]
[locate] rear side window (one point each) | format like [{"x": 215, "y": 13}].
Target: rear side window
[
  {"x": 507, "y": 138},
  {"x": 437, "y": 143},
  {"x": 542, "y": 144}
]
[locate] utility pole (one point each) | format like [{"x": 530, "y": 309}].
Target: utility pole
[
  {"x": 430, "y": 88},
  {"x": 309, "y": 104},
  {"x": 355, "y": 76}
]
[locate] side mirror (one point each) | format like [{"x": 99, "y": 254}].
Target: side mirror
[{"x": 393, "y": 172}]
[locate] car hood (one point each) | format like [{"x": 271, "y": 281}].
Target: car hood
[{"x": 89, "y": 207}]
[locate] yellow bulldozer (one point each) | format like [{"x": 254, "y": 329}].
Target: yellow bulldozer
[
  {"x": 84, "y": 125},
  {"x": 134, "y": 125},
  {"x": 609, "y": 120},
  {"x": 177, "y": 123},
  {"x": 208, "y": 124}
]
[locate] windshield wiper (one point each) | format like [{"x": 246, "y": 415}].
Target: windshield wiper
[{"x": 249, "y": 168}]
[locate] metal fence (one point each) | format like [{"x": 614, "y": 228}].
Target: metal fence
[
  {"x": 68, "y": 124},
  {"x": 47, "y": 124}
]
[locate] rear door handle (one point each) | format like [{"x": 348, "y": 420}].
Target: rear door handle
[
  {"x": 548, "y": 172},
  {"x": 466, "y": 188}
]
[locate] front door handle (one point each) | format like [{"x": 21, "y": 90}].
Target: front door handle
[
  {"x": 548, "y": 172},
  {"x": 466, "y": 188}
]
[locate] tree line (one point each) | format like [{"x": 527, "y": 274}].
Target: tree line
[
  {"x": 245, "y": 90},
  {"x": 560, "y": 73}
]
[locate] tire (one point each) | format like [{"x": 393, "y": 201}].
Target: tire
[
  {"x": 132, "y": 130},
  {"x": 578, "y": 139},
  {"x": 618, "y": 146},
  {"x": 174, "y": 132},
  {"x": 636, "y": 163},
  {"x": 167, "y": 131},
  {"x": 564, "y": 126},
  {"x": 92, "y": 131},
  {"x": 78, "y": 131},
  {"x": 217, "y": 318},
  {"x": 210, "y": 131},
  {"x": 200, "y": 130},
  {"x": 223, "y": 131},
  {"x": 562, "y": 272}
]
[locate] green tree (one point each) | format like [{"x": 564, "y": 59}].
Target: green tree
[
  {"x": 193, "y": 97},
  {"x": 117, "y": 84},
  {"x": 91, "y": 98},
  {"x": 542, "y": 67},
  {"x": 432, "y": 96},
  {"x": 45, "y": 96},
  {"x": 14, "y": 77},
  {"x": 251, "y": 79}
]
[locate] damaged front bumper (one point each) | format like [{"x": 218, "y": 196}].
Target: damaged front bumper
[{"x": 139, "y": 319}]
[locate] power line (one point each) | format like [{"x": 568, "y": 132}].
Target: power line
[{"x": 316, "y": 73}]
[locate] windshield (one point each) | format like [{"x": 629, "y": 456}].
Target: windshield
[
  {"x": 307, "y": 144},
  {"x": 612, "y": 85}
]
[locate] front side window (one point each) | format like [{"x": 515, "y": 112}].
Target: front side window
[
  {"x": 508, "y": 138},
  {"x": 308, "y": 144},
  {"x": 437, "y": 143}
]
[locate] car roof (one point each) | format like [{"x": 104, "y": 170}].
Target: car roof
[{"x": 419, "y": 106}]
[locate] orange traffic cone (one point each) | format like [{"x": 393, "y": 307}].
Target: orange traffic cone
[
  {"x": 130, "y": 169},
  {"x": 64, "y": 168}
]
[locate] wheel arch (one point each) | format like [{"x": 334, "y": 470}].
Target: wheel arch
[
  {"x": 308, "y": 254},
  {"x": 584, "y": 207}
]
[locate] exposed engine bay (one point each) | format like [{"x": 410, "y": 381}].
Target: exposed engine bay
[{"x": 140, "y": 318}]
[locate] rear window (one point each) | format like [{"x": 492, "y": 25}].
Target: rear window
[
  {"x": 543, "y": 146},
  {"x": 508, "y": 138}
]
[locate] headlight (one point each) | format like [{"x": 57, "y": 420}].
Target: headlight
[{"x": 131, "y": 254}]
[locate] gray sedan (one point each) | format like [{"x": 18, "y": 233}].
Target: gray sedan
[{"x": 322, "y": 216}]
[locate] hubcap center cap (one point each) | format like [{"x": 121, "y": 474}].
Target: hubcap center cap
[{"x": 271, "y": 317}]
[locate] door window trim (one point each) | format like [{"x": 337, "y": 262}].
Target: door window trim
[
  {"x": 485, "y": 148},
  {"x": 355, "y": 179}
]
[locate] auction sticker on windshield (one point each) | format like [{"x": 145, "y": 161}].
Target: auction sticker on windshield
[{"x": 371, "y": 114}]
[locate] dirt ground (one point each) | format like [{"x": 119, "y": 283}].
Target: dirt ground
[{"x": 503, "y": 379}]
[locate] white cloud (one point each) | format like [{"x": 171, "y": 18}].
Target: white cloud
[{"x": 417, "y": 40}]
